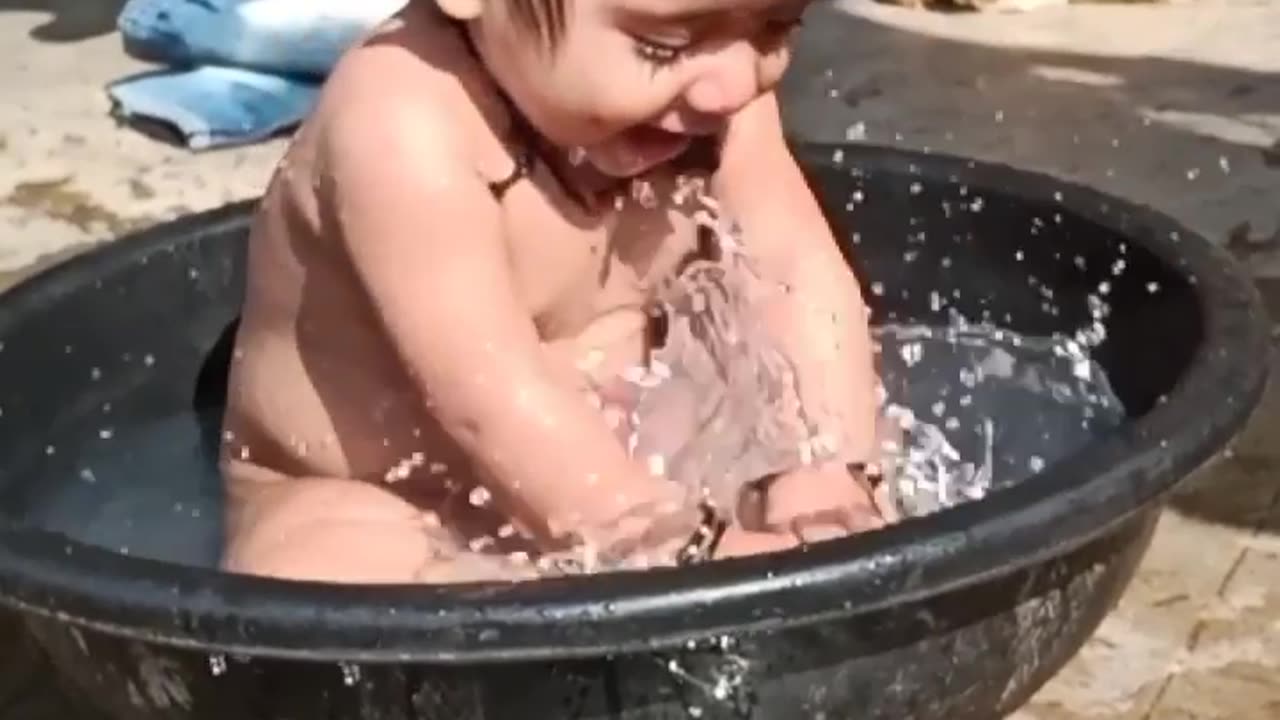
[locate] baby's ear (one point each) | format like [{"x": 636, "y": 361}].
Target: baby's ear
[{"x": 461, "y": 9}]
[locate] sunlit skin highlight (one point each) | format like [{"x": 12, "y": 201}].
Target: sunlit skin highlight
[{"x": 397, "y": 309}]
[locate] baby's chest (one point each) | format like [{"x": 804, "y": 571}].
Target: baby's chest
[{"x": 576, "y": 273}]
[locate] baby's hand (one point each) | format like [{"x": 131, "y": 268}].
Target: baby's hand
[{"x": 819, "y": 503}]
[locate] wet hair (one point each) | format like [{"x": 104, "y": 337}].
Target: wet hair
[{"x": 545, "y": 18}]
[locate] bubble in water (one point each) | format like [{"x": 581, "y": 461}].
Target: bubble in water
[
  {"x": 217, "y": 665},
  {"x": 479, "y": 496},
  {"x": 1153, "y": 287},
  {"x": 1036, "y": 463},
  {"x": 350, "y": 674},
  {"x": 148, "y": 359},
  {"x": 912, "y": 353},
  {"x": 86, "y": 475},
  {"x": 1225, "y": 164},
  {"x": 95, "y": 373}
]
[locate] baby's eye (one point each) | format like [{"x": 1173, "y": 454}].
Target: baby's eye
[{"x": 658, "y": 53}]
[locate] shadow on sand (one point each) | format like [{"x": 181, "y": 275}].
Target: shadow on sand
[
  {"x": 1193, "y": 139},
  {"x": 71, "y": 20}
]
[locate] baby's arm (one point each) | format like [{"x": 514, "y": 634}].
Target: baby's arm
[
  {"x": 424, "y": 238},
  {"x": 820, "y": 319}
]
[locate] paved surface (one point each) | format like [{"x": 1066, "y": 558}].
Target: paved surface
[{"x": 1177, "y": 106}]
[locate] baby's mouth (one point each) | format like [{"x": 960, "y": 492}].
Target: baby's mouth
[{"x": 650, "y": 146}]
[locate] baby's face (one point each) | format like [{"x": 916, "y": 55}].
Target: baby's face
[{"x": 633, "y": 82}]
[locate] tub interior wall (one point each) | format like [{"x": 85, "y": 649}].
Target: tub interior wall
[{"x": 118, "y": 343}]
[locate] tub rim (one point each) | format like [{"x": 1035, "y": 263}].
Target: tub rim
[{"x": 1080, "y": 499}]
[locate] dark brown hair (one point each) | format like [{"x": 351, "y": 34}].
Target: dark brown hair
[{"x": 546, "y": 18}]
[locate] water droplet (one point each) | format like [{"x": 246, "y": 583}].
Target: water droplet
[
  {"x": 217, "y": 665},
  {"x": 657, "y": 465},
  {"x": 480, "y": 496}
]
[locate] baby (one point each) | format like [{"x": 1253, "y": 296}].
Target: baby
[{"x": 453, "y": 270}]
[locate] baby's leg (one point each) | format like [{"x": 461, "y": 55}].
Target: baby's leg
[
  {"x": 346, "y": 531},
  {"x": 330, "y": 530}
]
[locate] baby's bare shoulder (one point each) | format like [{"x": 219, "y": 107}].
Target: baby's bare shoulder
[{"x": 404, "y": 91}]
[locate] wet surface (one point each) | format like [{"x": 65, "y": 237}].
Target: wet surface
[{"x": 1194, "y": 125}]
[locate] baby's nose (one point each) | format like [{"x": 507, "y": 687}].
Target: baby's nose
[{"x": 728, "y": 83}]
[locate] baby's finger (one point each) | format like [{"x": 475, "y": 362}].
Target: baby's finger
[
  {"x": 737, "y": 542},
  {"x": 816, "y": 532},
  {"x": 832, "y": 496},
  {"x": 883, "y": 497}
]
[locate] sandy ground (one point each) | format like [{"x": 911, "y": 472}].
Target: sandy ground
[{"x": 1177, "y": 106}]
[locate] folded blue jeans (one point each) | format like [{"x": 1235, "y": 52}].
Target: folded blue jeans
[{"x": 238, "y": 71}]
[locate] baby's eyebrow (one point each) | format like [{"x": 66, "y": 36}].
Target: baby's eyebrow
[{"x": 703, "y": 11}]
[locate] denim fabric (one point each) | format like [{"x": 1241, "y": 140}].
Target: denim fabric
[
  {"x": 239, "y": 70},
  {"x": 210, "y": 106}
]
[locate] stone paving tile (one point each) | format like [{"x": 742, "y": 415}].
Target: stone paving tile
[{"x": 1231, "y": 668}]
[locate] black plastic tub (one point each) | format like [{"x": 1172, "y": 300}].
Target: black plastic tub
[{"x": 958, "y": 615}]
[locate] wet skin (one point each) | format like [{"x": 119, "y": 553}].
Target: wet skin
[{"x": 416, "y": 391}]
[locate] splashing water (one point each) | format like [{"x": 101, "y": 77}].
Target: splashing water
[{"x": 718, "y": 405}]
